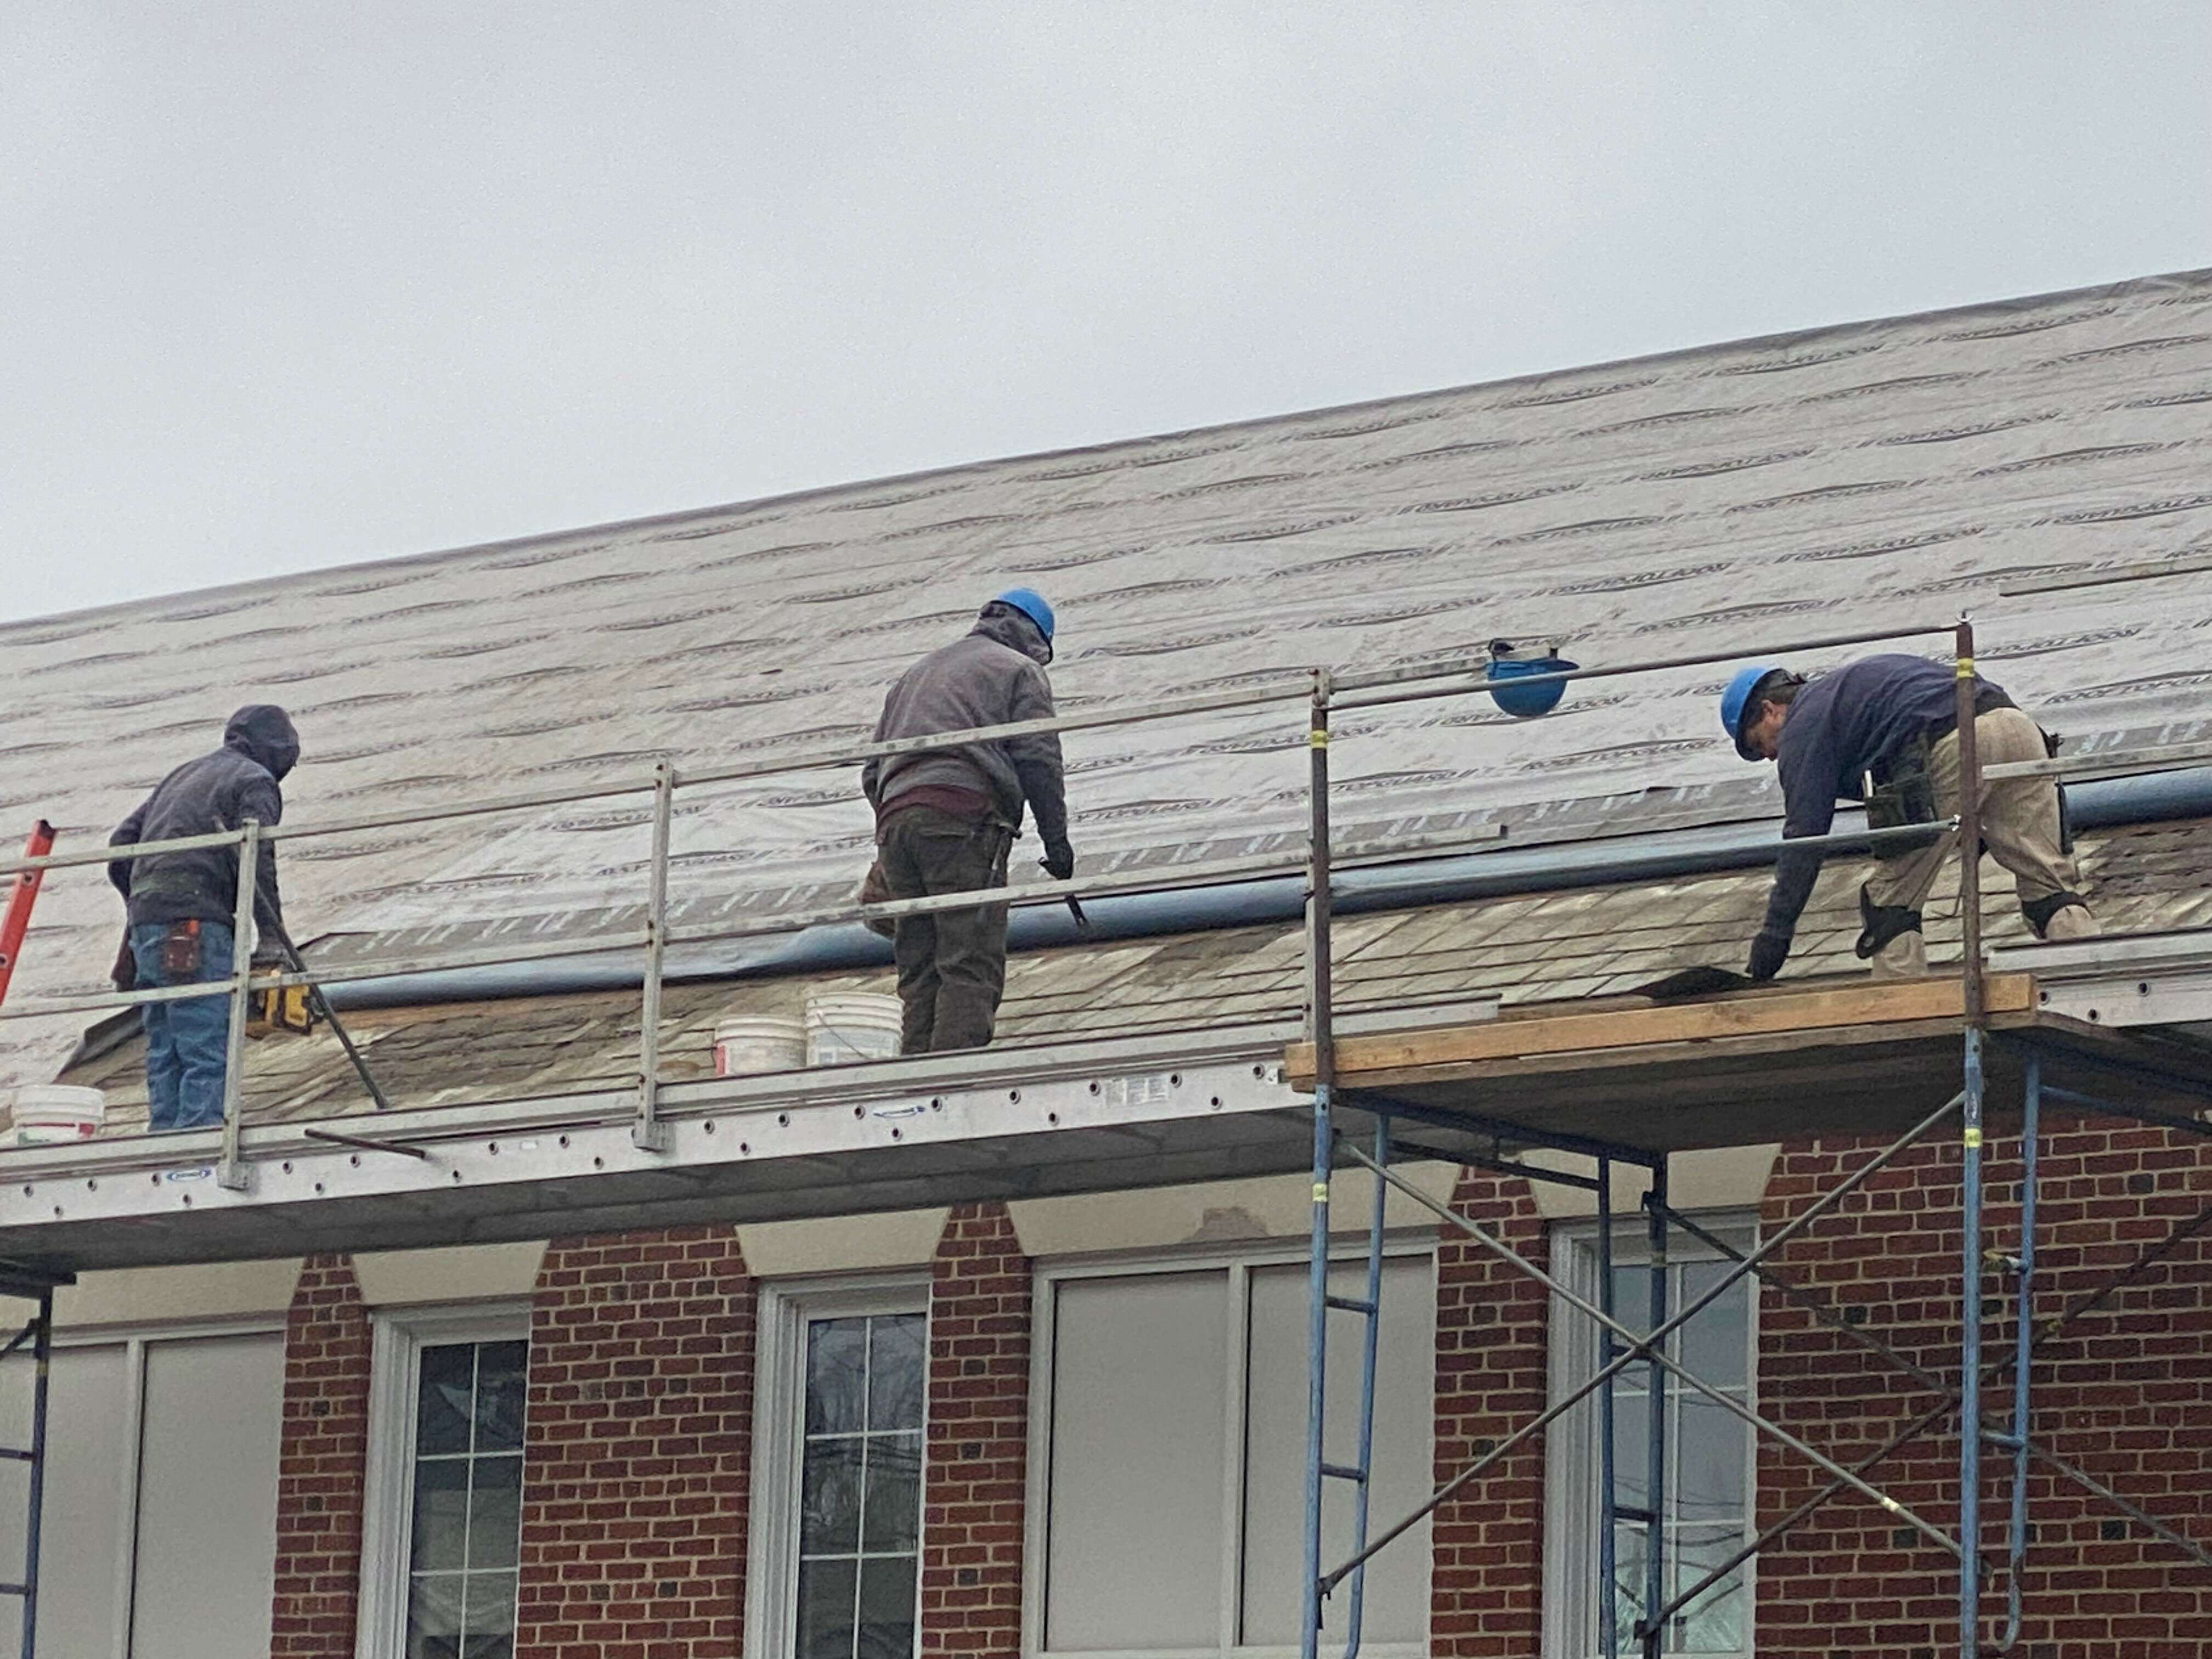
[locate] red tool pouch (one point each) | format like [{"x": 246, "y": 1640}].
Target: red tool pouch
[{"x": 180, "y": 950}]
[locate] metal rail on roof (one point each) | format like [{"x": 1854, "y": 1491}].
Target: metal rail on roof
[{"x": 664, "y": 1124}]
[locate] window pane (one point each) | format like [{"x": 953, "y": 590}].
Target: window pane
[
  {"x": 1714, "y": 1623},
  {"x": 434, "y": 1617},
  {"x": 495, "y": 1512},
  {"x": 441, "y": 1514},
  {"x": 1629, "y": 1539},
  {"x": 898, "y": 1370},
  {"x": 1714, "y": 1345},
  {"x": 830, "y": 1505},
  {"x": 1709, "y": 1485},
  {"x": 1631, "y": 1448},
  {"x": 887, "y": 1608},
  {"x": 825, "y": 1609},
  {"x": 491, "y": 1605},
  {"x": 1140, "y": 1367},
  {"x": 837, "y": 1375},
  {"x": 502, "y": 1375},
  {"x": 1397, "y": 1599},
  {"x": 441, "y": 1409},
  {"x": 894, "y": 1505}
]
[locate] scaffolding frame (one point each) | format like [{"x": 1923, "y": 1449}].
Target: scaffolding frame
[{"x": 1620, "y": 1347}]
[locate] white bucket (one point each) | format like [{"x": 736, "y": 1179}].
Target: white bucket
[
  {"x": 843, "y": 1026},
  {"x": 758, "y": 1042},
  {"x": 47, "y": 1112}
]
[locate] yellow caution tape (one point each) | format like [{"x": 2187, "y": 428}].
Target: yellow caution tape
[
  {"x": 1972, "y": 1139},
  {"x": 1965, "y": 668},
  {"x": 1318, "y": 737},
  {"x": 1321, "y": 1192}
]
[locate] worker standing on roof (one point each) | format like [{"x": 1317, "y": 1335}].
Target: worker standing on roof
[
  {"x": 182, "y": 906},
  {"x": 1891, "y": 720},
  {"x": 947, "y": 818}
]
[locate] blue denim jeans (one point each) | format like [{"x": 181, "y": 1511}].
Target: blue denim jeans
[{"x": 184, "y": 1040}]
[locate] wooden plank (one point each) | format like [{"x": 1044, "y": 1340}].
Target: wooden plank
[{"x": 1808, "y": 1013}]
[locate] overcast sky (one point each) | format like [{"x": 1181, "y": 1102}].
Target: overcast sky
[{"x": 303, "y": 282}]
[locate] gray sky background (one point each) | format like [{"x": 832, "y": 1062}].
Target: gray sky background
[{"x": 287, "y": 284}]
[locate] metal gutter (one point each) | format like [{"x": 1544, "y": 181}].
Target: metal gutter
[{"x": 2105, "y": 803}]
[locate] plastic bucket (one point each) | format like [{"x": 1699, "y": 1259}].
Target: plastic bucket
[
  {"x": 844, "y": 1026},
  {"x": 47, "y": 1112},
  {"x": 758, "y": 1042}
]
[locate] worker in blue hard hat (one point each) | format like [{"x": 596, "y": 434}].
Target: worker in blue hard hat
[
  {"x": 1883, "y": 731},
  {"x": 947, "y": 818}
]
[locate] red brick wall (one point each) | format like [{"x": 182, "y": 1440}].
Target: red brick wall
[
  {"x": 321, "y": 1462},
  {"x": 979, "y": 1376},
  {"x": 2125, "y": 1393},
  {"x": 1487, "y": 1591},
  {"x": 634, "y": 1484}
]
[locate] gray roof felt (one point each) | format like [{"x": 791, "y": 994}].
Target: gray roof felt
[{"x": 1873, "y": 475}]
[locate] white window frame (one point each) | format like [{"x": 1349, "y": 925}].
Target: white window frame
[
  {"x": 132, "y": 1341},
  {"x": 1570, "y": 1463},
  {"x": 396, "y": 1338},
  {"x": 1239, "y": 1258},
  {"x": 781, "y": 1319}
]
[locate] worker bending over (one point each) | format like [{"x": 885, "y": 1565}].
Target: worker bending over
[
  {"x": 947, "y": 818},
  {"x": 1893, "y": 720},
  {"x": 182, "y": 906}
]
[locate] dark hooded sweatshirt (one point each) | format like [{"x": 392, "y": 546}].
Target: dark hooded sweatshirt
[
  {"x": 994, "y": 676},
  {"x": 215, "y": 792}
]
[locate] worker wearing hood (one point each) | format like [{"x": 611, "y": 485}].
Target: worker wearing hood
[{"x": 182, "y": 906}]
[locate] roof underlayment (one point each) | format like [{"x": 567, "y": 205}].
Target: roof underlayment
[{"x": 1870, "y": 475}]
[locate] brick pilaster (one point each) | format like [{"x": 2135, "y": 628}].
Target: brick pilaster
[
  {"x": 321, "y": 1464},
  {"x": 634, "y": 1481},
  {"x": 1486, "y": 1594},
  {"x": 973, "y": 1475}
]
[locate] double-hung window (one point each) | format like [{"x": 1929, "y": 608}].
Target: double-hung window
[
  {"x": 836, "y": 1519},
  {"x": 1708, "y": 1501},
  {"x": 444, "y": 1499},
  {"x": 1168, "y": 1427}
]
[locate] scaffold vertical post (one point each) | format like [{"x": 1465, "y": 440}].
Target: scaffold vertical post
[
  {"x": 1608, "y": 1564},
  {"x": 1654, "y": 1412},
  {"x": 42, "y": 1354},
  {"x": 1367, "y": 1307},
  {"x": 2031, "y": 1129},
  {"x": 1970, "y": 1183},
  {"x": 230, "y": 1173},
  {"x": 1318, "y": 1026},
  {"x": 649, "y": 1133}
]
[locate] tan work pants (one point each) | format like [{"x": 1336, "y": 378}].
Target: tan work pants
[{"x": 2020, "y": 829}]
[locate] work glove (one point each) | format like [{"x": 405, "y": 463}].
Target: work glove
[
  {"x": 1769, "y": 951},
  {"x": 269, "y": 960},
  {"x": 1059, "y": 860}
]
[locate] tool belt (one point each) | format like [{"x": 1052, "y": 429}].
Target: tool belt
[{"x": 1903, "y": 793}]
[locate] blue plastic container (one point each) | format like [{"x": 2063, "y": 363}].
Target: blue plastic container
[{"x": 1527, "y": 701}]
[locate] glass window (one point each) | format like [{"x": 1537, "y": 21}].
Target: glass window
[
  {"x": 1710, "y": 1463},
  {"x": 1176, "y": 1424},
  {"x": 465, "y": 1508},
  {"x": 860, "y": 1473}
]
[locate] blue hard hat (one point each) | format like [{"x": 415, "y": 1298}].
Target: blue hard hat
[
  {"x": 1736, "y": 700},
  {"x": 1030, "y": 603}
]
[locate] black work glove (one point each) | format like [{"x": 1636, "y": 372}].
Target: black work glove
[
  {"x": 270, "y": 961},
  {"x": 1769, "y": 951},
  {"x": 1059, "y": 860}
]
